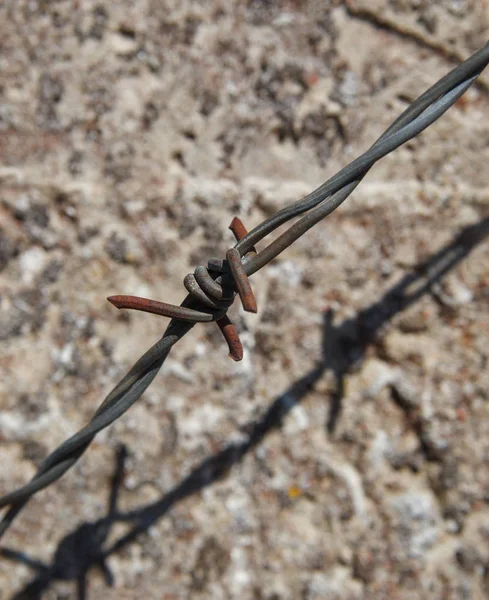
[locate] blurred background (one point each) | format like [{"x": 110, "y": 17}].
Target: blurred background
[{"x": 347, "y": 455}]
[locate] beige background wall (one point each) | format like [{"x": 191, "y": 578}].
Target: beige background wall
[{"x": 130, "y": 135}]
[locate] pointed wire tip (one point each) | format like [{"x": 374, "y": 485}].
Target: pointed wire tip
[
  {"x": 231, "y": 336},
  {"x": 238, "y": 229},
  {"x": 234, "y": 222},
  {"x": 115, "y": 300}
]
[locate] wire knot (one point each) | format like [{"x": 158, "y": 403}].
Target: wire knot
[{"x": 211, "y": 290}]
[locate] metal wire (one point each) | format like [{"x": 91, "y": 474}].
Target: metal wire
[{"x": 218, "y": 282}]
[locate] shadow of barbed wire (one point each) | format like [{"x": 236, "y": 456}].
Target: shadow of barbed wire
[
  {"x": 79, "y": 551},
  {"x": 344, "y": 345},
  {"x": 343, "y": 348}
]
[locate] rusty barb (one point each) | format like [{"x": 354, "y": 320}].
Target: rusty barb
[
  {"x": 212, "y": 289},
  {"x": 204, "y": 288}
]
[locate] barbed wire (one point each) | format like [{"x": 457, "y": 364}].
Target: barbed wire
[{"x": 212, "y": 289}]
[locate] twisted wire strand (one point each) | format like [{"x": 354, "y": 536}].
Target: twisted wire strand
[
  {"x": 462, "y": 74},
  {"x": 212, "y": 289},
  {"x": 381, "y": 148},
  {"x": 120, "y": 399}
]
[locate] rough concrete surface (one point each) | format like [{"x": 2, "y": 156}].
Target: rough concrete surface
[{"x": 347, "y": 455}]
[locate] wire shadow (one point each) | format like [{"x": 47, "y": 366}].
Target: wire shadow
[
  {"x": 77, "y": 552},
  {"x": 343, "y": 347}
]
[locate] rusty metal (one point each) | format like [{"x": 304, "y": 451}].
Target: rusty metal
[
  {"x": 156, "y": 307},
  {"x": 205, "y": 290},
  {"x": 231, "y": 336},
  {"x": 240, "y": 231},
  {"x": 208, "y": 292},
  {"x": 241, "y": 281}
]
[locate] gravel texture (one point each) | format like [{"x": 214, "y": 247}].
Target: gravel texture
[{"x": 347, "y": 456}]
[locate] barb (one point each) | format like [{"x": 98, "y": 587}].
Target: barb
[
  {"x": 218, "y": 282},
  {"x": 160, "y": 308},
  {"x": 241, "y": 279}
]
